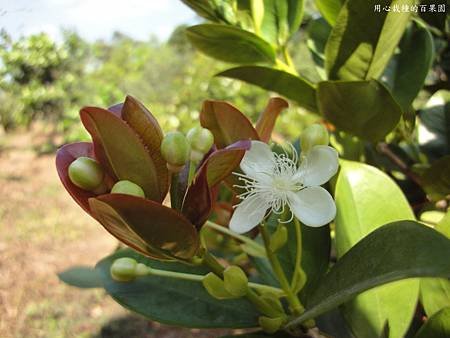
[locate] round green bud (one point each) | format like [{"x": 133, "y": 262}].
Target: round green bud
[
  {"x": 175, "y": 149},
  {"x": 270, "y": 325},
  {"x": 235, "y": 281},
  {"x": 123, "y": 269},
  {"x": 86, "y": 173},
  {"x": 201, "y": 139},
  {"x": 128, "y": 188},
  {"x": 315, "y": 134}
]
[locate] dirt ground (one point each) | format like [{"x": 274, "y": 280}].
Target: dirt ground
[{"x": 42, "y": 232}]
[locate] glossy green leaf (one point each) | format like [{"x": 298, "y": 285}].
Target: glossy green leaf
[
  {"x": 436, "y": 179},
  {"x": 363, "y": 108},
  {"x": 226, "y": 122},
  {"x": 83, "y": 277},
  {"x": 434, "y": 125},
  {"x": 204, "y": 8},
  {"x": 141, "y": 120},
  {"x": 437, "y": 326},
  {"x": 266, "y": 121},
  {"x": 174, "y": 301},
  {"x": 399, "y": 250},
  {"x": 281, "y": 19},
  {"x": 329, "y": 9},
  {"x": 366, "y": 198},
  {"x": 230, "y": 44},
  {"x": 163, "y": 230},
  {"x": 435, "y": 292},
  {"x": 120, "y": 150},
  {"x": 288, "y": 85},
  {"x": 411, "y": 65},
  {"x": 362, "y": 41}
]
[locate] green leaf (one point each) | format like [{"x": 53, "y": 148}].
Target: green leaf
[
  {"x": 230, "y": 44},
  {"x": 162, "y": 231},
  {"x": 366, "y": 198},
  {"x": 329, "y": 9},
  {"x": 281, "y": 19},
  {"x": 288, "y": 85},
  {"x": 362, "y": 41},
  {"x": 226, "y": 122},
  {"x": 399, "y": 250},
  {"x": 438, "y": 326},
  {"x": 174, "y": 301},
  {"x": 435, "y": 292},
  {"x": 434, "y": 127},
  {"x": 436, "y": 179},
  {"x": 203, "y": 8},
  {"x": 266, "y": 122},
  {"x": 83, "y": 277},
  {"x": 121, "y": 152},
  {"x": 411, "y": 65},
  {"x": 318, "y": 32},
  {"x": 363, "y": 108}
]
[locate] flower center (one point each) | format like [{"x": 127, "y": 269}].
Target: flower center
[{"x": 283, "y": 184}]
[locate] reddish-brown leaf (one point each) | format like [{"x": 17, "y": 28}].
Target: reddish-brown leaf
[
  {"x": 64, "y": 157},
  {"x": 120, "y": 150},
  {"x": 162, "y": 229},
  {"x": 141, "y": 120},
  {"x": 227, "y": 123},
  {"x": 267, "y": 119}
]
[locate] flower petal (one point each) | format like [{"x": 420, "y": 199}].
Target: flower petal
[
  {"x": 258, "y": 160},
  {"x": 313, "y": 206},
  {"x": 320, "y": 164},
  {"x": 248, "y": 214}
]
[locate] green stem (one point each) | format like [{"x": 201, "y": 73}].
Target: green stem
[
  {"x": 288, "y": 58},
  {"x": 210, "y": 261},
  {"x": 294, "y": 302},
  {"x": 199, "y": 278},
  {"x": 257, "y": 247},
  {"x": 298, "y": 253}
]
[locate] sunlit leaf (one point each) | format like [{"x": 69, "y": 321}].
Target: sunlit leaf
[
  {"x": 329, "y": 9},
  {"x": 404, "y": 249},
  {"x": 362, "y": 41},
  {"x": 366, "y": 199},
  {"x": 437, "y": 326},
  {"x": 286, "y": 84},
  {"x": 363, "y": 108},
  {"x": 231, "y": 44}
]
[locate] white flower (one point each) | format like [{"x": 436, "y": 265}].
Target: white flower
[{"x": 273, "y": 181}]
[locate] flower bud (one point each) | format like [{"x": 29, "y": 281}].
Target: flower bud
[
  {"x": 235, "y": 281},
  {"x": 270, "y": 325},
  {"x": 215, "y": 287},
  {"x": 315, "y": 134},
  {"x": 142, "y": 270},
  {"x": 128, "y": 188},
  {"x": 123, "y": 269},
  {"x": 278, "y": 238},
  {"x": 175, "y": 149},
  {"x": 86, "y": 173},
  {"x": 201, "y": 140}
]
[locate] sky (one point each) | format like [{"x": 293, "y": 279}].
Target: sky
[{"x": 94, "y": 19}]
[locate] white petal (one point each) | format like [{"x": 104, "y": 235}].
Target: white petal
[
  {"x": 248, "y": 214},
  {"x": 313, "y": 206},
  {"x": 258, "y": 160},
  {"x": 320, "y": 164}
]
